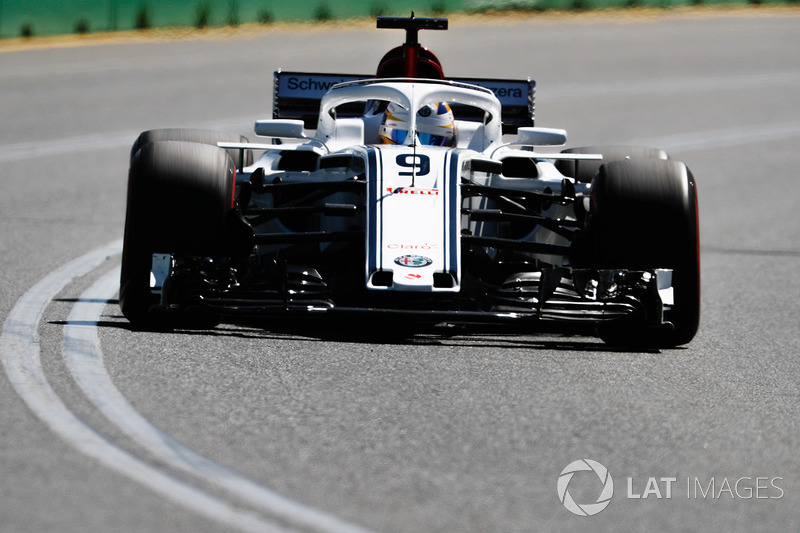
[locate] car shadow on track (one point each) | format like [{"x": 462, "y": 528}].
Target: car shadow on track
[
  {"x": 468, "y": 335},
  {"x": 384, "y": 333}
]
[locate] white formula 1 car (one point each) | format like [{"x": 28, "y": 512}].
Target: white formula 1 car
[{"x": 409, "y": 201}]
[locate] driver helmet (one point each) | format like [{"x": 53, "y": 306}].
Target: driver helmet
[{"x": 435, "y": 125}]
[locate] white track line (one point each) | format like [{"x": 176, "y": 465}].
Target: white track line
[
  {"x": 704, "y": 140},
  {"x": 625, "y": 89},
  {"x": 23, "y": 151},
  {"x": 85, "y": 360},
  {"x": 21, "y": 359}
]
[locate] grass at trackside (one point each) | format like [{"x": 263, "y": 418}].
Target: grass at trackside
[{"x": 489, "y": 17}]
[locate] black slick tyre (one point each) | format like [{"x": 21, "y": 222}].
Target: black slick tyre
[
  {"x": 644, "y": 216},
  {"x": 180, "y": 200}
]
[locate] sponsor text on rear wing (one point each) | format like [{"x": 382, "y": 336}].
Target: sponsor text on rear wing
[{"x": 297, "y": 95}]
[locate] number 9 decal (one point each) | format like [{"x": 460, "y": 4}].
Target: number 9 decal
[{"x": 419, "y": 162}]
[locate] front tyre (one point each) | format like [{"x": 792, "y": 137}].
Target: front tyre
[
  {"x": 645, "y": 216},
  {"x": 180, "y": 200}
]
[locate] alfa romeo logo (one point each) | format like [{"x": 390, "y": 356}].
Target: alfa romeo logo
[
  {"x": 585, "y": 509},
  {"x": 413, "y": 261}
]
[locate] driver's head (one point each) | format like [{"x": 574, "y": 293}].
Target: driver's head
[{"x": 435, "y": 125}]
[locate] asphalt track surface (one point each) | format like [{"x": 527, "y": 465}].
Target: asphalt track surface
[{"x": 313, "y": 429}]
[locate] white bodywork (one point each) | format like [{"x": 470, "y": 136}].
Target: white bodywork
[
  {"x": 413, "y": 199},
  {"x": 412, "y": 221}
]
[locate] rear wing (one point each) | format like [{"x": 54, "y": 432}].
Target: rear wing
[{"x": 297, "y": 95}]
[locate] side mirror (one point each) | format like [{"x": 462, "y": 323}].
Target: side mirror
[
  {"x": 282, "y": 128},
  {"x": 541, "y": 137}
]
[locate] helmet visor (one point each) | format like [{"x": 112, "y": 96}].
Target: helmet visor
[
  {"x": 429, "y": 139},
  {"x": 396, "y": 135}
]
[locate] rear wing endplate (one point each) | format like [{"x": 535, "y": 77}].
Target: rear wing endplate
[{"x": 297, "y": 95}]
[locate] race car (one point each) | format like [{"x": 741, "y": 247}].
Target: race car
[{"x": 410, "y": 195}]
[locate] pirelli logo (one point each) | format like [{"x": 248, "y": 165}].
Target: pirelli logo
[{"x": 413, "y": 190}]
